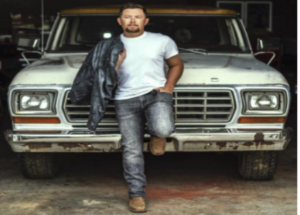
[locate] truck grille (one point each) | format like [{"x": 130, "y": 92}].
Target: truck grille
[{"x": 193, "y": 106}]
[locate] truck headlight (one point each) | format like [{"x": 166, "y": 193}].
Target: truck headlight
[
  {"x": 263, "y": 101},
  {"x": 33, "y": 102},
  {"x": 260, "y": 102}
]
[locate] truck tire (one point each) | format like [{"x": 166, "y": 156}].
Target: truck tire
[
  {"x": 39, "y": 165},
  {"x": 258, "y": 165}
]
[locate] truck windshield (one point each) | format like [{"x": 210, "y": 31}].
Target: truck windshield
[{"x": 211, "y": 33}]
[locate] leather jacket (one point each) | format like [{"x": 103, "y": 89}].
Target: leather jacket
[{"x": 96, "y": 79}]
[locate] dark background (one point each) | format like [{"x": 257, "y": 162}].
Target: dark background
[{"x": 284, "y": 12}]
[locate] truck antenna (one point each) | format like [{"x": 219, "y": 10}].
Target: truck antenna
[{"x": 42, "y": 45}]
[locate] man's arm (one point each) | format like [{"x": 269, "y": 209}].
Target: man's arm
[{"x": 175, "y": 71}]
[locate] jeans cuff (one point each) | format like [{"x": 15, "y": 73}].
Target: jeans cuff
[{"x": 136, "y": 195}]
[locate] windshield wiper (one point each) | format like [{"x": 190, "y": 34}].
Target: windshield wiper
[{"x": 195, "y": 50}]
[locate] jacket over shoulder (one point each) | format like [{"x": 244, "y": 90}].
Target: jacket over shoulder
[{"x": 97, "y": 78}]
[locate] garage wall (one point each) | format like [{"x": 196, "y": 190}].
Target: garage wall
[
  {"x": 51, "y": 7},
  {"x": 284, "y": 12}
]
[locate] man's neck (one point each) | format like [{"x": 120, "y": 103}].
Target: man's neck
[{"x": 131, "y": 35}]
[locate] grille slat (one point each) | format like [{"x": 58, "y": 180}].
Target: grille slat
[
  {"x": 212, "y": 98},
  {"x": 225, "y": 105},
  {"x": 87, "y": 113},
  {"x": 77, "y": 105},
  {"x": 69, "y": 105},
  {"x": 190, "y": 106},
  {"x": 218, "y": 98},
  {"x": 188, "y": 113},
  {"x": 217, "y": 113},
  {"x": 191, "y": 98}
]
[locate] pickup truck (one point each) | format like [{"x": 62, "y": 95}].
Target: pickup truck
[{"x": 225, "y": 101}]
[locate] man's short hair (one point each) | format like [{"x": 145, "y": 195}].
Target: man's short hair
[{"x": 132, "y": 6}]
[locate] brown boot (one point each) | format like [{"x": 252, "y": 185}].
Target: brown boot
[
  {"x": 158, "y": 145},
  {"x": 137, "y": 204}
]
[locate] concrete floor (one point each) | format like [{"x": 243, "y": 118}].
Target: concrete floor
[{"x": 178, "y": 183}]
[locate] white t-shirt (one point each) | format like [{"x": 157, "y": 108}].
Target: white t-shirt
[{"x": 143, "y": 67}]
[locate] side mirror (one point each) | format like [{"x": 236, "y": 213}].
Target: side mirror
[
  {"x": 29, "y": 43},
  {"x": 268, "y": 44}
]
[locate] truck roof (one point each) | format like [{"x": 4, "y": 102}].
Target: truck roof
[{"x": 171, "y": 9}]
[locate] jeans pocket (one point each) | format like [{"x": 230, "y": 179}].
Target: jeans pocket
[
  {"x": 164, "y": 97},
  {"x": 165, "y": 93}
]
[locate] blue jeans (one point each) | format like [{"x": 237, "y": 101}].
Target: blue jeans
[{"x": 155, "y": 107}]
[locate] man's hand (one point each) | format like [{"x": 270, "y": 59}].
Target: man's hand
[
  {"x": 121, "y": 58},
  {"x": 165, "y": 89},
  {"x": 175, "y": 71}
]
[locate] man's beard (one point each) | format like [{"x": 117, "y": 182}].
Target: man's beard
[{"x": 132, "y": 31}]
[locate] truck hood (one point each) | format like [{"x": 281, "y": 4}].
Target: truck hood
[{"x": 198, "y": 70}]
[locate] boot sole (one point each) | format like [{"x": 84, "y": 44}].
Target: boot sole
[{"x": 135, "y": 211}]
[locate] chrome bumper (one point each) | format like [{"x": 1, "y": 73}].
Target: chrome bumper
[{"x": 183, "y": 140}]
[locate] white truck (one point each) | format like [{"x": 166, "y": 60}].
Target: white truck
[{"x": 225, "y": 101}]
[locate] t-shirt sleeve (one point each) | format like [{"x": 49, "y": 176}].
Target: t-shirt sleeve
[{"x": 170, "y": 49}]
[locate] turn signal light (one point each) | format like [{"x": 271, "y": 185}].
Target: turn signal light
[
  {"x": 52, "y": 120},
  {"x": 262, "y": 120}
]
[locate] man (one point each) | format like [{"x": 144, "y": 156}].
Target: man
[{"x": 143, "y": 93}]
